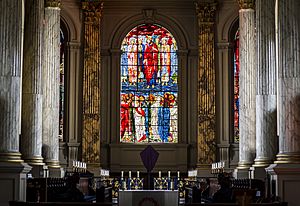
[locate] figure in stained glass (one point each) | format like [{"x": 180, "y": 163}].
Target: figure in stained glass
[
  {"x": 150, "y": 62},
  {"x": 132, "y": 61},
  {"x": 165, "y": 60}
]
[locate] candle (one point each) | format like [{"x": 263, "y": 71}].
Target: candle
[
  {"x": 122, "y": 174},
  {"x": 129, "y": 174},
  {"x": 137, "y": 174},
  {"x": 178, "y": 174},
  {"x": 169, "y": 174},
  {"x": 159, "y": 174}
]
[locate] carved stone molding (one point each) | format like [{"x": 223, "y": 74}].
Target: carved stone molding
[
  {"x": 149, "y": 15},
  {"x": 52, "y": 3},
  {"x": 246, "y": 4}
]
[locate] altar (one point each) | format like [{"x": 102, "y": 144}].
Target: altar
[{"x": 148, "y": 197}]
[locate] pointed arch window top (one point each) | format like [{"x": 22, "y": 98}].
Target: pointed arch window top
[{"x": 149, "y": 68}]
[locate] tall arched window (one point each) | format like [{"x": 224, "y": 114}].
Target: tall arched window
[
  {"x": 149, "y": 89},
  {"x": 236, "y": 87}
]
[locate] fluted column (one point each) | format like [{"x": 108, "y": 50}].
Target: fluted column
[
  {"x": 266, "y": 98},
  {"x": 31, "y": 139},
  {"x": 51, "y": 84},
  {"x": 11, "y": 41},
  {"x": 91, "y": 83},
  {"x": 247, "y": 83},
  {"x": 206, "y": 85},
  {"x": 12, "y": 169},
  {"x": 287, "y": 36}
]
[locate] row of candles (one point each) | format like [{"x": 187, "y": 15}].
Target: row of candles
[
  {"x": 217, "y": 167},
  {"x": 138, "y": 174},
  {"x": 79, "y": 166}
]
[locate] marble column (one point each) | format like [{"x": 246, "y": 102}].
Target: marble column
[
  {"x": 287, "y": 36},
  {"x": 12, "y": 169},
  {"x": 247, "y": 84},
  {"x": 31, "y": 139},
  {"x": 51, "y": 84},
  {"x": 266, "y": 98},
  {"x": 11, "y": 38},
  {"x": 206, "y": 140}
]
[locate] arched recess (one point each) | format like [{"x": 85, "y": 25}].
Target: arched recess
[
  {"x": 228, "y": 149},
  {"x": 122, "y": 156},
  {"x": 72, "y": 91}
]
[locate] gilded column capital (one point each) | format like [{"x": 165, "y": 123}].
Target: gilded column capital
[
  {"x": 92, "y": 11},
  {"x": 206, "y": 12},
  {"x": 52, "y": 3},
  {"x": 246, "y": 4}
]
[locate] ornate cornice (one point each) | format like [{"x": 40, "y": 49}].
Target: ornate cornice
[
  {"x": 52, "y": 3},
  {"x": 206, "y": 12},
  {"x": 246, "y": 4},
  {"x": 92, "y": 11}
]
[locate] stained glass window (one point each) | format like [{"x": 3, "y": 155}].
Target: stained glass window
[
  {"x": 149, "y": 86},
  {"x": 236, "y": 87},
  {"x": 61, "y": 86}
]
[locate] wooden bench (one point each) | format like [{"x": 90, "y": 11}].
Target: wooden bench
[
  {"x": 20, "y": 203},
  {"x": 236, "y": 204}
]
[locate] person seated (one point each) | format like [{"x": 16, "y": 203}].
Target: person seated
[
  {"x": 224, "y": 194},
  {"x": 72, "y": 194},
  {"x": 205, "y": 191}
]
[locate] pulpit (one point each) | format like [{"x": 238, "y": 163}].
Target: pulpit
[{"x": 148, "y": 197}]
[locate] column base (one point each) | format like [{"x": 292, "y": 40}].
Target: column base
[
  {"x": 262, "y": 162},
  {"x": 38, "y": 160},
  {"x": 285, "y": 181},
  {"x": 244, "y": 165},
  {"x": 11, "y": 157},
  {"x": 54, "y": 169},
  {"x": 288, "y": 158},
  {"x": 13, "y": 181}
]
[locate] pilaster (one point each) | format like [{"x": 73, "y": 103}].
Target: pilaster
[
  {"x": 206, "y": 87},
  {"x": 92, "y": 11}
]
